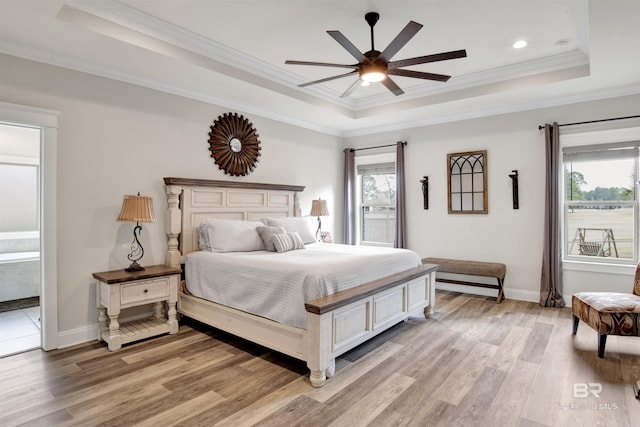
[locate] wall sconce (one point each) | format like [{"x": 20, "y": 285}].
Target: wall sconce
[
  {"x": 425, "y": 191},
  {"x": 319, "y": 208},
  {"x": 136, "y": 209},
  {"x": 514, "y": 187}
]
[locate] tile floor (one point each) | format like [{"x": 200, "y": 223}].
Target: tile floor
[{"x": 19, "y": 330}]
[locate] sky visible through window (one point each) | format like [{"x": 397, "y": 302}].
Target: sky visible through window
[{"x": 613, "y": 173}]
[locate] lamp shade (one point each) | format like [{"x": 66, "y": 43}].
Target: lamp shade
[
  {"x": 319, "y": 208},
  {"x": 137, "y": 209}
]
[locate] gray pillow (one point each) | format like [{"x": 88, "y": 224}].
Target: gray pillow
[{"x": 266, "y": 234}]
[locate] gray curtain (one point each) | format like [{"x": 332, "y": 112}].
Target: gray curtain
[
  {"x": 551, "y": 281},
  {"x": 349, "y": 220},
  {"x": 399, "y": 240}
]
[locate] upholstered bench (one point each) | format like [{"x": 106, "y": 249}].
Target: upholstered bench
[
  {"x": 471, "y": 268},
  {"x": 608, "y": 313}
]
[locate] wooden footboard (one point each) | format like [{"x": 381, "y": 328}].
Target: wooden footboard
[
  {"x": 335, "y": 324},
  {"x": 341, "y": 321}
]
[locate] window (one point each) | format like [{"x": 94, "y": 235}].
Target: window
[
  {"x": 601, "y": 202},
  {"x": 377, "y": 200},
  {"x": 19, "y": 178}
]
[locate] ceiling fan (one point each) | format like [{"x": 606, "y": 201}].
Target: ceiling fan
[{"x": 376, "y": 66}]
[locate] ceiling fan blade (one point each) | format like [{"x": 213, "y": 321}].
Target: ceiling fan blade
[
  {"x": 351, "y": 89},
  {"x": 443, "y": 56},
  {"x": 401, "y": 39},
  {"x": 321, "y": 64},
  {"x": 328, "y": 79},
  {"x": 345, "y": 43},
  {"x": 392, "y": 86},
  {"x": 419, "y": 75}
]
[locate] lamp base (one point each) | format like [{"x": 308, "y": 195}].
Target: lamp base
[{"x": 134, "y": 267}]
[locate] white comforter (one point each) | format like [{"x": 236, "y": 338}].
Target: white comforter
[{"x": 276, "y": 285}]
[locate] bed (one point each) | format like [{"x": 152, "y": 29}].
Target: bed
[{"x": 331, "y": 315}]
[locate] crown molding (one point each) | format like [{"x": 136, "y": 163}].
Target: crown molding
[
  {"x": 135, "y": 20},
  {"x": 141, "y": 22},
  {"x": 532, "y": 67},
  {"x": 474, "y": 84},
  {"x": 83, "y": 66},
  {"x": 494, "y": 111}
]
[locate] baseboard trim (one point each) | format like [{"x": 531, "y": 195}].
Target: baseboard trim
[
  {"x": 88, "y": 333},
  {"x": 77, "y": 336},
  {"x": 517, "y": 294}
]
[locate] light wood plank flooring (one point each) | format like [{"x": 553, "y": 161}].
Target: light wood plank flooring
[{"x": 475, "y": 363}]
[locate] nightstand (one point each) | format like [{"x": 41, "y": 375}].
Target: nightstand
[{"x": 119, "y": 289}]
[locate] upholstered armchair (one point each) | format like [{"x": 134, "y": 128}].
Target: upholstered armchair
[{"x": 609, "y": 313}]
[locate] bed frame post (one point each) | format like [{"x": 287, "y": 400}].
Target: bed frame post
[
  {"x": 173, "y": 225},
  {"x": 431, "y": 283},
  {"x": 296, "y": 204},
  {"x": 318, "y": 347}
]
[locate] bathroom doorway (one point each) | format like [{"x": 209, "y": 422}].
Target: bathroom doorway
[{"x": 20, "y": 268}]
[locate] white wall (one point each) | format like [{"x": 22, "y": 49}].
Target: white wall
[
  {"x": 116, "y": 139},
  {"x": 513, "y": 237}
]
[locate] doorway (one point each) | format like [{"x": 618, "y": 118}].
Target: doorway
[
  {"x": 20, "y": 284},
  {"x": 28, "y": 225}
]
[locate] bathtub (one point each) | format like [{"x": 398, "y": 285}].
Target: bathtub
[{"x": 19, "y": 275}]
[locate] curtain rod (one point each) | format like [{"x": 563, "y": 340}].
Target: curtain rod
[
  {"x": 594, "y": 121},
  {"x": 378, "y": 146}
]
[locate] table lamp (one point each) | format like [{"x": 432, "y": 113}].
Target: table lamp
[
  {"x": 136, "y": 209},
  {"x": 319, "y": 208}
]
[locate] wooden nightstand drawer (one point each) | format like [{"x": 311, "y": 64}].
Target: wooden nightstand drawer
[{"x": 149, "y": 290}]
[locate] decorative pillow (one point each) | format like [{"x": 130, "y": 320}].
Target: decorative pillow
[
  {"x": 287, "y": 242},
  {"x": 266, "y": 234},
  {"x": 303, "y": 225},
  {"x": 203, "y": 237},
  {"x": 232, "y": 235}
]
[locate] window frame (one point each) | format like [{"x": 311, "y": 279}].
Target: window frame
[
  {"x": 587, "y": 263},
  {"x": 370, "y": 159}
]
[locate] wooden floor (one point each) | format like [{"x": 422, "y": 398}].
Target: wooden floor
[{"x": 475, "y": 363}]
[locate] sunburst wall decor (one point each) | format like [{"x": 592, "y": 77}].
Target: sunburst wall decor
[{"x": 234, "y": 144}]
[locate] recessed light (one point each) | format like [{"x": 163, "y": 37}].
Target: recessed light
[{"x": 519, "y": 44}]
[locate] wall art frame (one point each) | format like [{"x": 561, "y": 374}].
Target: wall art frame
[
  {"x": 234, "y": 144},
  {"x": 467, "y": 182}
]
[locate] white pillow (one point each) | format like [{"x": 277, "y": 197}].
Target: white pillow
[
  {"x": 287, "y": 242},
  {"x": 232, "y": 235},
  {"x": 303, "y": 225}
]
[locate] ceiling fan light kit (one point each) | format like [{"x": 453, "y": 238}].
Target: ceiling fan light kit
[
  {"x": 375, "y": 66},
  {"x": 373, "y": 73}
]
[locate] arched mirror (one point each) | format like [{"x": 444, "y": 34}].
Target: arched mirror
[{"x": 467, "y": 183}]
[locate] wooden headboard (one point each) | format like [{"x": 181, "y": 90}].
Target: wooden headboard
[{"x": 191, "y": 201}]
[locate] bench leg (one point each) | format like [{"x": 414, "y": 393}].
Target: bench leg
[
  {"x": 500, "y": 296},
  {"x": 602, "y": 341},
  {"x": 576, "y": 322}
]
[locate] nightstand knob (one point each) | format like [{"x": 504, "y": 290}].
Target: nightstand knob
[{"x": 146, "y": 290}]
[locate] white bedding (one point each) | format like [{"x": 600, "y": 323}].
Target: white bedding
[{"x": 276, "y": 285}]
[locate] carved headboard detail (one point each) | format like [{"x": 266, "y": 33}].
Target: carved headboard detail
[{"x": 191, "y": 201}]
